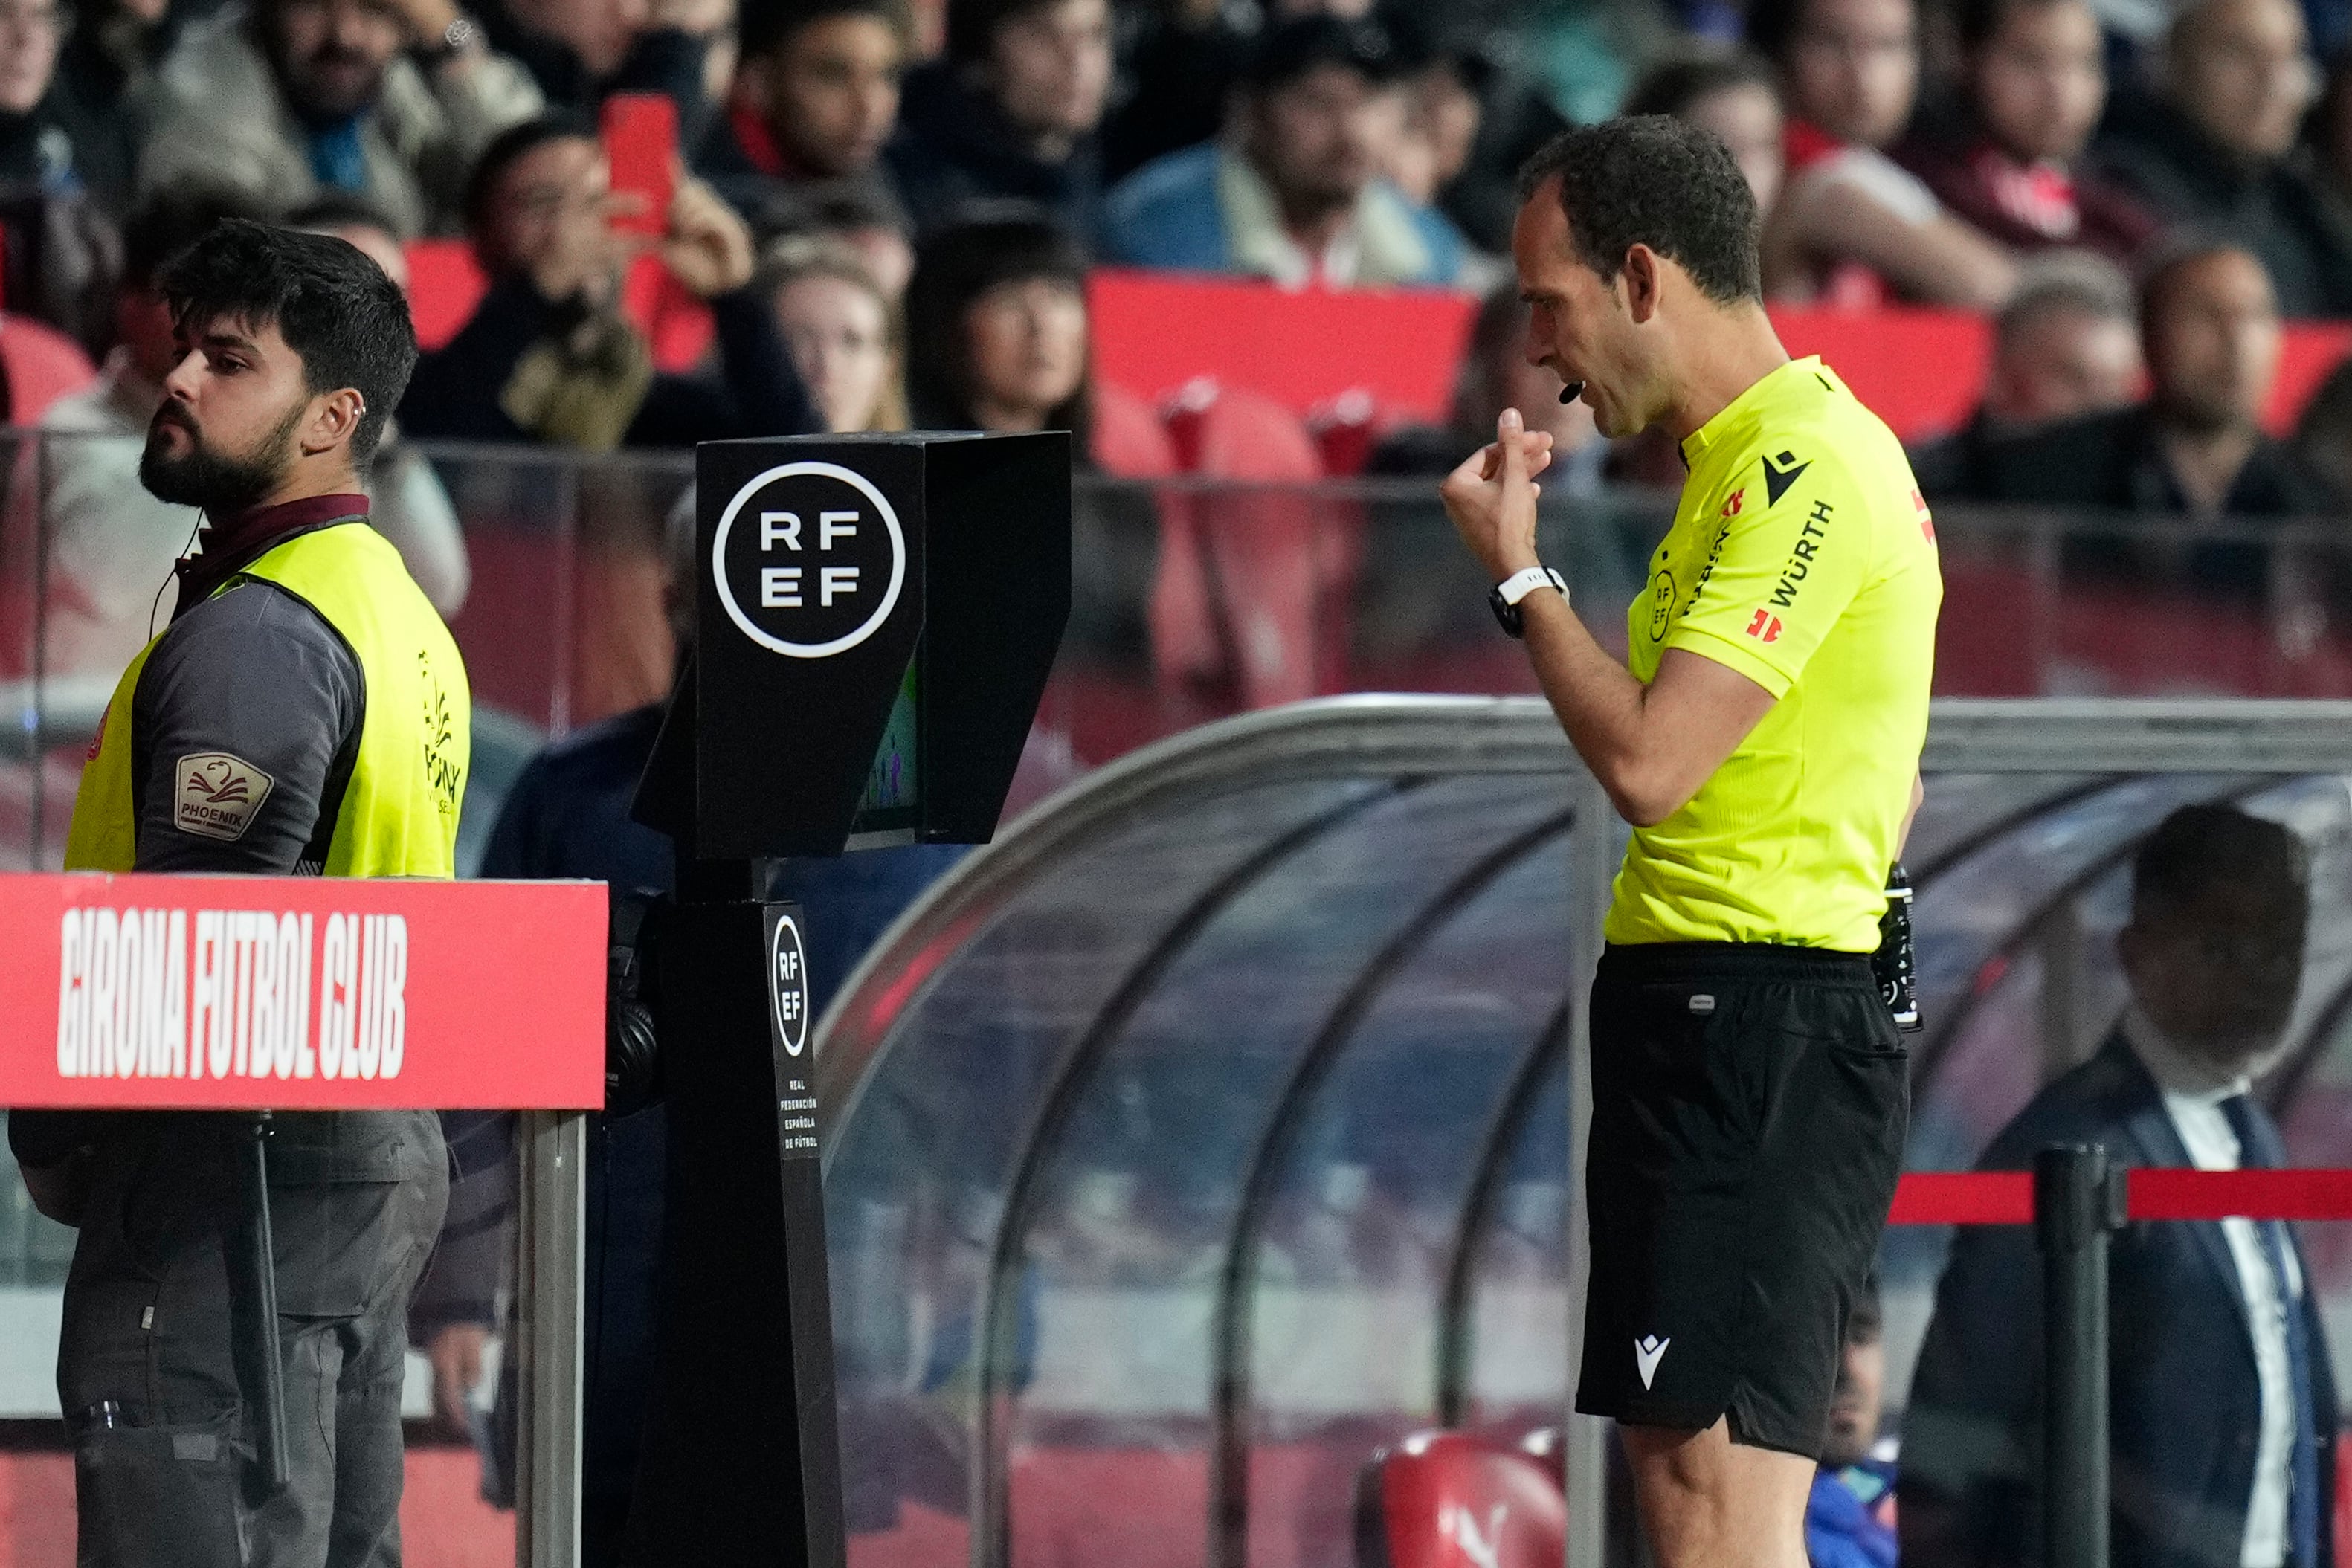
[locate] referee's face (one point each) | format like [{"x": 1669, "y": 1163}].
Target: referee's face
[{"x": 1578, "y": 327}]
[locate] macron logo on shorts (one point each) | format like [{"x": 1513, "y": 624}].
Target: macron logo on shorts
[
  {"x": 218, "y": 795},
  {"x": 1648, "y": 1351}
]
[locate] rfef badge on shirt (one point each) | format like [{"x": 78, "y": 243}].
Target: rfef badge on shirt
[{"x": 1800, "y": 559}]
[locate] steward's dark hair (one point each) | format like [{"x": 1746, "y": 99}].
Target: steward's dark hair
[
  {"x": 1678, "y": 86},
  {"x": 994, "y": 244},
  {"x": 169, "y": 221},
  {"x": 766, "y": 26},
  {"x": 511, "y": 145},
  {"x": 2200, "y": 848},
  {"x": 1656, "y": 181},
  {"x": 334, "y": 308}
]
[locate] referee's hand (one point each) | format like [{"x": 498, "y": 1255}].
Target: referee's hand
[{"x": 1492, "y": 497}]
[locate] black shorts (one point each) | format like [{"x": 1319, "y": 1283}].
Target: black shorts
[{"x": 1748, "y": 1110}]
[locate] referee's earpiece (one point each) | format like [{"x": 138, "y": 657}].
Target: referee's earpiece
[{"x": 1571, "y": 391}]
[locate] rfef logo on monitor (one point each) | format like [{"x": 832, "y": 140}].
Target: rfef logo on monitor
[{"x": 809, "y": 559}]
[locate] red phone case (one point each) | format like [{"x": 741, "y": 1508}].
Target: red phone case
[{"x": 640, "y": 135}]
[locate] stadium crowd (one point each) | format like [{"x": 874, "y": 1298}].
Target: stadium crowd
[
  {"x": 2034, "y": 158},
  {"x": 889, "y": 211}
]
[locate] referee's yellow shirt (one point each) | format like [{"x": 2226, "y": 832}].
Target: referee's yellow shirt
[{"x": 1802, "y": 555}]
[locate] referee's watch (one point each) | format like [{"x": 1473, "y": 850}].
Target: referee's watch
[{"x": 1504, "y": 599}]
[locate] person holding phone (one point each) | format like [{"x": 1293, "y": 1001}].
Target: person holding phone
[{"x": 549, "y": 357}]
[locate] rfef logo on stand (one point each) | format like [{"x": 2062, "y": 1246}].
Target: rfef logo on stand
[
  {"x": 809, "y": 559},
  {"x": 788, "y": 984}
]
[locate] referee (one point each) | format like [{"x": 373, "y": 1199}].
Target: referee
[
  {"x": 305, "y": 713},
  {"x": 1748, "y": 1082}
]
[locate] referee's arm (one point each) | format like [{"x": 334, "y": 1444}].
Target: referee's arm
[{"x": 1650, "y": 746}]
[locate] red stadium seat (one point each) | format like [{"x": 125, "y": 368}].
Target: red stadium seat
[
  {"x": 42, "y": 365},
  {"x": 1247, "y": 576},
  {"x": 1129, "y": 440},
  {"x": 1461, "y": 1500}
]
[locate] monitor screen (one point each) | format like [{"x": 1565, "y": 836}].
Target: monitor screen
[{"x": 890, "y": 803}]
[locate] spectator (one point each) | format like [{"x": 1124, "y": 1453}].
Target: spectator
[
  {"x": 1495, "y": 376},
  {"x": 327, "y": 98},
  {"x": 106, "y": 89},
  {"x": 1852, "y": 227},
  {"x": 1012, "y": 112},
  {"x": 2036, "y": 81},
  {"x": 1291, "y": 193},
  {"x": 1733, "y": 96},
  {"x": 1850, "y": 1517},
  {"x": 1185, "y": 58},
  {"x": 863, "y": 215},
  {"x": 2223, "y": 1411},
  {"x": 410, "y": 507},
  {"x": 57, "y": 251},
  {"x": 2322, "y": 436},
  {"x": 870, "y": 221},
  {"x": 548, "y": 356},
  {"x": 2328, "y": 145},
  {"x": 2064, "y": 346},
  {"x": 996, "y": 329},
  {"x": 1506, "y": 118},
  {"x": 841, "y": 329},
  {"x": 112, "y": 544},
  {"x": 815, "y": 97},
  {"x": 2211, "y": 148},
  {"x": 582, "y": 51},
  {"x": 2210, "y": 330}
]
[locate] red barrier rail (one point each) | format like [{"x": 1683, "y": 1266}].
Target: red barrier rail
[{"x": 2006, "y": 1197}]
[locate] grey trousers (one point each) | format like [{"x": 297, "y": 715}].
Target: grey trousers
[{"x": 147, "y": 1370}]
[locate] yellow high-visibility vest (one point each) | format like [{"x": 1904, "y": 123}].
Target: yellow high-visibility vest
[{"x": 399, "y": 811}]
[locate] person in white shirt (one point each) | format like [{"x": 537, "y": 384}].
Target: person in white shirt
[{"x": 2222, "y": 1409}]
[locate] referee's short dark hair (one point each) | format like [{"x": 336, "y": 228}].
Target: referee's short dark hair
[
  {"x": 2200, "y": 848},
  {"x": 333, "y": 306},
  {"x": 1653, "y": 181}
]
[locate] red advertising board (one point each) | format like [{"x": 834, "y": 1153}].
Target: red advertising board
[{"x": 301, "y": 993}]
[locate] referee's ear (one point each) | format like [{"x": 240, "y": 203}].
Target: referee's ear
[{"x": 1643, "y": 275}]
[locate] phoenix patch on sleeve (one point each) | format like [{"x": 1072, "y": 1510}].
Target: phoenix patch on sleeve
[{"x": 218, "y": 795}]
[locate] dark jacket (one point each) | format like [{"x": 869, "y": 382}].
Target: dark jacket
[
  {"x": 459, "y": 392},
  {"x": 2184, "y": 1403},
  {"x": 2161, "y": 156},
  {"x": 954, "y": 147},
  {"x": 663, "y": 60},
  {"x": 2029, "y": 207},
  {"x": 2113, "y": 463}
]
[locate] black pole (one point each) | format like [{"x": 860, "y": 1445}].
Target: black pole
[
  {"x": 2073, "y": 1211},
  {"x": 266, "y": 1387}
]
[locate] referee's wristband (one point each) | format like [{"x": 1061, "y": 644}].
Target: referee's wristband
[{"x": 1504, "y": 601}]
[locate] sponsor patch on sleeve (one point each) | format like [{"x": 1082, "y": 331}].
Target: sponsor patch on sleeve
[{"x": 218, "y": 795}]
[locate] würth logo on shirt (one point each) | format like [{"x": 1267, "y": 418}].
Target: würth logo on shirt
[
  {"x": 1738, "y": 498},
  {"x": 218, "y": 795},
  {"x": 1765, "y": 627}
]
